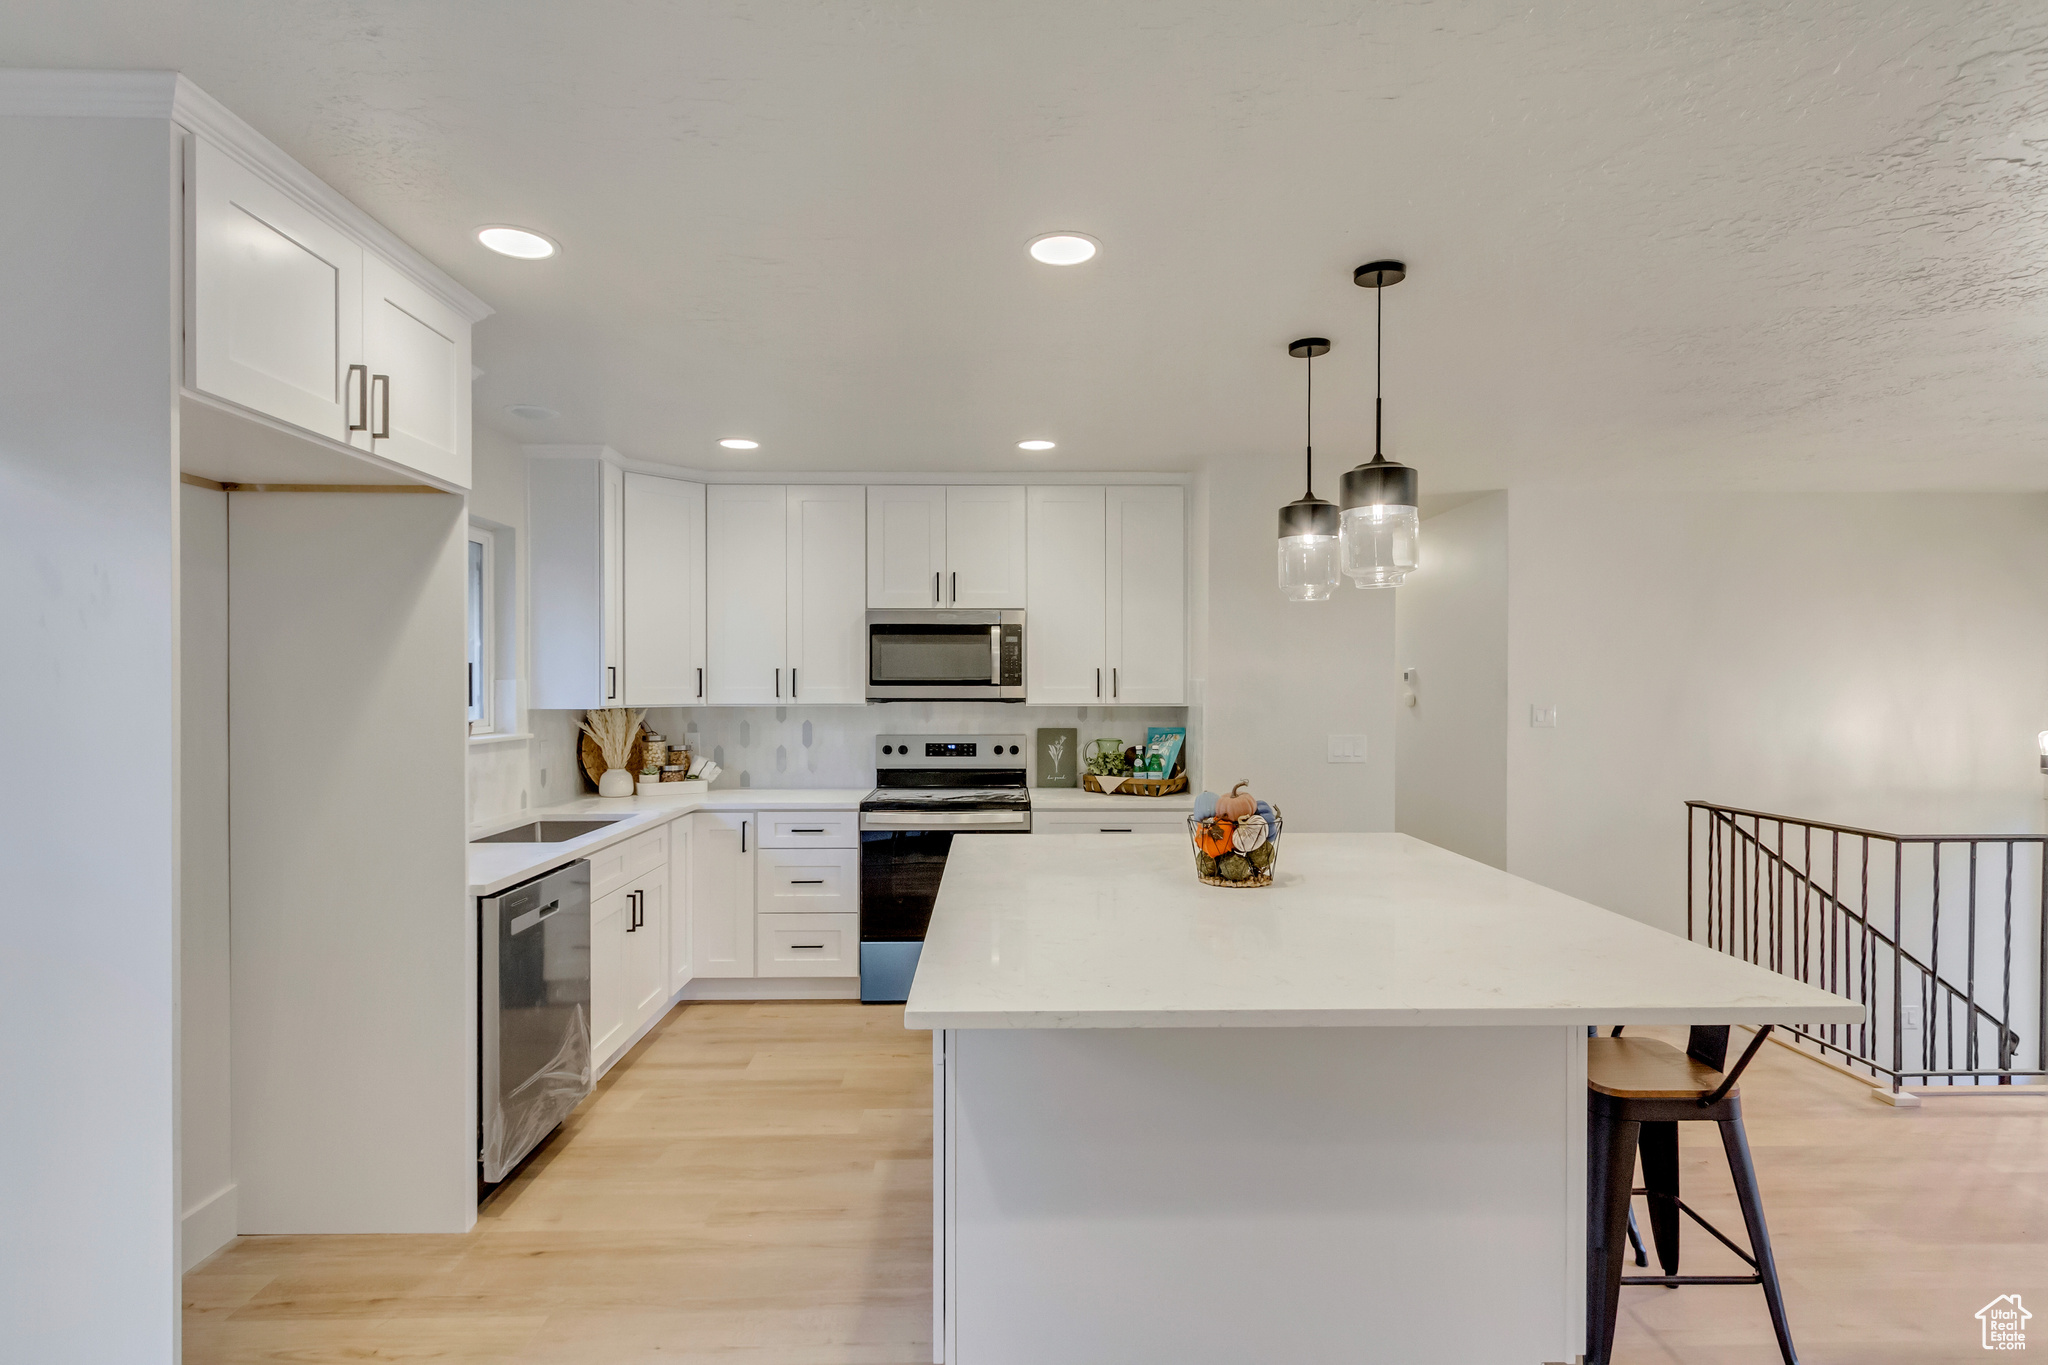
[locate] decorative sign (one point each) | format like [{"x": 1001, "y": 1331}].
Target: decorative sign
[{"x": 1059, "y": 758}]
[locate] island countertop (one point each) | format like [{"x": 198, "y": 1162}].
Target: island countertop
[{"x": 1080, "y": 931}]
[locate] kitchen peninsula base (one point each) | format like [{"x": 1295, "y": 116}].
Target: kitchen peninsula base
[{"x": 1227, "y": 1195}]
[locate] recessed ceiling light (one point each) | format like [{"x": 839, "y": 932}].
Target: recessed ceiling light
[
  {"x": 1034, "y": 445},
  {"x": 737, "y": 443},
  {"x": 532, "y": 412},
  {"x": 1063, "y": 248},
  {"x": 512, "y": 241}
]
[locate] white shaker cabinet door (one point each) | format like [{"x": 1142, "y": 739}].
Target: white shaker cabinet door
[
  {"x": 644, "y": 959},
  {"x": 746, "y": 607},
  {"x": 1066, "y": 658},
  {"x": 986, "y": 548},
  {"x": 722, "y": 845},
  {"x": 612, "y": 569},
  {"x": 608, "y": 918},
  {"x": 417, "y": 351},
  {"x": 275, "y": 313},
  {"x": 663, "y": 581},
  {"x": 1146, "y": 550},
  {"x": 681, "y": 898},
  {"x": 906, "y": 546},
  {"x": 827, "y": 606}
]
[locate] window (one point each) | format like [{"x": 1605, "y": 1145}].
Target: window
[{"x": 482, "y": 612}]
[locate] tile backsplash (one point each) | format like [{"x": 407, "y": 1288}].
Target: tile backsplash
[{"x": 827, "y": 746}]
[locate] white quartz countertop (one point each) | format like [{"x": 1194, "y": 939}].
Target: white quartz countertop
[
  {"x": 493, "y": 867},
  {"x": 1078, "y": 798},
  {"x": 1078, "y": 931}
]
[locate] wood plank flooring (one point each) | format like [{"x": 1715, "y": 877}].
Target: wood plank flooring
[{"x": 752, "y": 1185}]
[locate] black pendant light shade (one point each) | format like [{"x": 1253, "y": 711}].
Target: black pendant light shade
[
  {"x": 1380, "y": 482},
  {"x": 1380, "y": 517}
]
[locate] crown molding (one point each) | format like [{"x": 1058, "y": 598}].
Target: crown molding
[
  {"x": 954, "y": 478},
  {"x": 168, "y": 95}
]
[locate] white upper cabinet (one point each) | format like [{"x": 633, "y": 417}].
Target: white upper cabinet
[
  {"x": 1146, "y": 554},
  {"x": 827, "y": 621},
  {"x": 276, "y": 302},
  {"x": 416, "y": 349},
  {"x": 746, "y": 578},
  {"x": 906, "y": 546},
  {"x": 573, "y": 511},
  {"x": 662, "y": 633},
  {"x": 985, "y": 547},
  {"x": 301, "y": 308},
  {"x": 1066, "y": 659}
]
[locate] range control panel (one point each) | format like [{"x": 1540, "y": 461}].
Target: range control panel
[{"x": 952, "y": 751}]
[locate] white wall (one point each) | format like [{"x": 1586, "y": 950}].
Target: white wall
[
  {"x": 207, "y": 1161},
  {"x": 89, "y": 675},
  {"x": 354, "y": 948},
  {"x": 1279, "y": 677},
  {"x": 1879, "y": 659},
  {"x": 1451, "y": 628}
]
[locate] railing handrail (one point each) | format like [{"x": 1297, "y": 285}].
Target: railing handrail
[
  {"x": 1726, "y": 814},
  {"x": 1871, "y": 833}
]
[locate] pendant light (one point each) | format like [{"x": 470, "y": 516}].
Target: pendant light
[
  {"x": 1381, "y": 524},
  {"x": 1308, "y": 525}
]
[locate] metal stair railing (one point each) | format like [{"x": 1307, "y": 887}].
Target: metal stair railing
[{"x": 1782, "y": 904}]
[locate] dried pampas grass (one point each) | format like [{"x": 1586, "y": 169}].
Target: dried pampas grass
[{"x": 613, "y": 730}]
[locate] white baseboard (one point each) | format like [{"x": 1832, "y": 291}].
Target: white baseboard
[
  {"x": 771, "y": 988},
  {"x": 208, "y": 1226}
]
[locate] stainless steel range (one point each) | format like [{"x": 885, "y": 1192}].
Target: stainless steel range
[{"x": 928, "y": 789}]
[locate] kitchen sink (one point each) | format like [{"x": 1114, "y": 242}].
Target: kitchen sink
[{"x": 545, "y": 832}]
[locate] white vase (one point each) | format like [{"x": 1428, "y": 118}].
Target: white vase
[{"x": 615, "y": 782}]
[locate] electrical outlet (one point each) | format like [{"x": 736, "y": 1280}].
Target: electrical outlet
[
  {"x": 1347, "y": 749},
  {"x": 1543, "y": 717}
]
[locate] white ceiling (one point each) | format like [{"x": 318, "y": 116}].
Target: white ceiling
[{"x": 1794, "y": 244}]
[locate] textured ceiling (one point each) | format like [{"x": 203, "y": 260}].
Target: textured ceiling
[{"x": 1731, "y": 243}]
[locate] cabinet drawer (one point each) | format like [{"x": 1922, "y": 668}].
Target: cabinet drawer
[
  {"x": 809, "y": 829},
  {"x": 807, "y": 881},
  {"x": 614, "y": 867},
  {"x": 1109, "y": 822},
  {"x": 807, "y": 945}
]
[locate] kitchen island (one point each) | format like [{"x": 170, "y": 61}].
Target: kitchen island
[{"x": 1341, "y": 1118}]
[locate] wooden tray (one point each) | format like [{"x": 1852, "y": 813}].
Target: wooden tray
[{"x": 1138, "y": 786}]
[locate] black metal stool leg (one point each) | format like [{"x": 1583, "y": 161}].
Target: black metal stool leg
[
  {"x": 1744, "y": 1172},
  {"x": 1660, "y": 1178},
  {"x": 1610, "y": 1177}
]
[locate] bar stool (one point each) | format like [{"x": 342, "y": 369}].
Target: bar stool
[{"x": 1638, "y": 1091}]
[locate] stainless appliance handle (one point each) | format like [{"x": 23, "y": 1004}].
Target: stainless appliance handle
[
  {"x": 942, "y": 819},
  {"x": 995, "y": 655},
  {"x": 521, "y": 923}
]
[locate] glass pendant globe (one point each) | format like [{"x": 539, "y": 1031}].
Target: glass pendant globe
[
  {"x": 1309, "y": 567},
  {"x": 1382, "y": 544}
]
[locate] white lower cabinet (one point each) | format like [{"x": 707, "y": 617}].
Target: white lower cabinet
[
  {"x": 723, "y": 845},
  {"x": 681, "y": 933},
  {"x": 807, "y": 881},
  {"x": 644, "y": 959},
  {"x": 808, "y": 945},
  {"x": 608, "y": 918}
]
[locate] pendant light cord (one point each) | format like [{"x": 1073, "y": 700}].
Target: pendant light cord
[
  {"x": 1309, "y": 431},
  {"x": 1379, "y": 310}
]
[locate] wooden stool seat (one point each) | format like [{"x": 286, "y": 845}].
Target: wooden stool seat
[{"x": 1645, "y": 1069}]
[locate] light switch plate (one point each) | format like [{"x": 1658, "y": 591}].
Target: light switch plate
[
  {"x": 1543, "y": 717},
  {"x": 1347, "y": 748}
]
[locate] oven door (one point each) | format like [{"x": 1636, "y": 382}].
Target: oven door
[{"x": 950, "y": 655}]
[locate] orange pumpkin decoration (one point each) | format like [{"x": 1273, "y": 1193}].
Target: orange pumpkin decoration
[
  {"x": 1216, "y": 837},
  {"x": 1238, "y": 804}
]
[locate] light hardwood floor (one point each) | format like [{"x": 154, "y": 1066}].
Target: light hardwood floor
[{"x": 752, "y": 1185}]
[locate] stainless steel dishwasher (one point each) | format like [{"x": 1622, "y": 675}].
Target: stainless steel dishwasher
[{"x": 534, "y": 1021}]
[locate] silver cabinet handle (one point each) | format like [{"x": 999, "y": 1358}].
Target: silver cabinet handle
[
  {"x": 359, "y": 376},
  {"x": 383, "y": 431}
]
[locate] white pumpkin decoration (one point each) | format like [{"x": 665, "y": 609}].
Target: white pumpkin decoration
[{"x": 1251, "y": 832}]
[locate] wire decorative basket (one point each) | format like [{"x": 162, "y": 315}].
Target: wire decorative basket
[{"x": 1236, "y": 853}]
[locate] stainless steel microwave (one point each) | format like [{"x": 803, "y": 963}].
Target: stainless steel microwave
[{"x": 945, "y": 656}]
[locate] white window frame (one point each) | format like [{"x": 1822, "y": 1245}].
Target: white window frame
[{"x": 483, "y": 680}]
